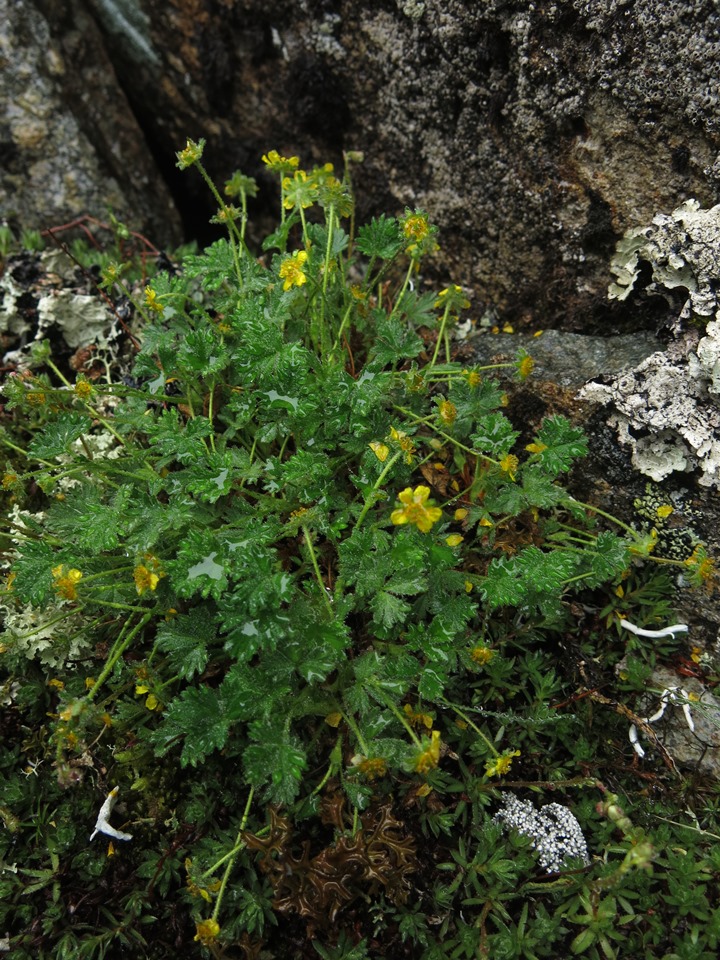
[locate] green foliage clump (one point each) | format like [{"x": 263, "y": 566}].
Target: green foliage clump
[{"x": 295, "y": 561}]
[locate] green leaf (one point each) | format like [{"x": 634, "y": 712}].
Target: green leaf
[
  {"x": 85, "y": 521},
  {"x": 305, "y": 475},
  {"x": 210, "y": 477},
  {"x": 432, "y": 684},
  {"x": 380, "y": 238},
  {"x": 200, "y": 566},
  {"x": 501, "y": 586},
  {"x": 418, "y": 309},
  {"x": 175, "y": 441},
  {"x": 33, "y": 572},
  {"x": 56, "y": 436},
  {"x": 393, "y": 340},
  {"x": 202, "y": 353},
  {"x": 215, "y": 266},
  {"x": 276, "y": 761},
  {"x": 186, "y": 639},
  {"x": 564, "y": 444},
  {"x": 198, "y": 717},
  {"x": 365, "y": 560},
  {"x": 494, "y": 435},
  {"x": 608, "y": 560},
  {"x": 278, "y": 240},
  {"x": 539, "y": 490},
  {"x": 250, "y": 692},
  {"x": 388, "y": 609},
  {"x": 319, "y": 236}
]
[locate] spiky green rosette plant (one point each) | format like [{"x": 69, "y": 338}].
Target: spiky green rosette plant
[{"x": 277, "y": 552}]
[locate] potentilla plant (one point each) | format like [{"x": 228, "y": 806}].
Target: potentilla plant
[{"x": 300, "y": 516}]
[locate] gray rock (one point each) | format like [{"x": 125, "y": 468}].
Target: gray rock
[
  {"x": 568, "y": 359},
  {"x": 534, "y": 134},
  {"x": 697, "y": 749},
  {"x": 69, "y": 144}
]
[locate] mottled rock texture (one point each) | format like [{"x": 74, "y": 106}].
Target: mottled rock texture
[
  {"x": 534, "y": 133},
  {"x": 70, "y": 144}
]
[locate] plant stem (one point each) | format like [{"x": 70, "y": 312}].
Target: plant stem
[
  {"x": 237, "y": 848},
  {"x": 119, "y": 647},
  {"x": 441, "y": 335},
  {"x": 318, "y": 575},
  {"x": 371, "y": 499},
  {"x": 463, "y": 716},
  {"x": 393, "y": 709}
]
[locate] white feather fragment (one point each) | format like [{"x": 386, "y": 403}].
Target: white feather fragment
[
  {"x": 665, "y": 632},
  {"x": 102, "y": 825}
]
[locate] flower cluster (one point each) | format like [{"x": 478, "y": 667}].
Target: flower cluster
[
  {"x": 555, "y": 833},
  {"x": 65, "y": 582},
  {"x": 499, "y": 766},
  {"x": 291, "y": 270},
  {"x": 414, "y": 510},
  {"x": 429, "y": 757}
]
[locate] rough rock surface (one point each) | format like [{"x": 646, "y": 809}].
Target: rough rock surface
[
  {"x": 69, "y": 143},
  {"x": 667, "y": 409},
  {"x": 697, "y": 749},
  {"x": 535, "y": 133}
]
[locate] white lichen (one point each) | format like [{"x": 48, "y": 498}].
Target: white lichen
[
  {"x": 555, "y": 833},
  {"x": 682, "y": 251},
  {"x": 665, "y": 412}
]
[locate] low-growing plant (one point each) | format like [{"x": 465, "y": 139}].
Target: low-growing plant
[{"x": 290, "y": 594}]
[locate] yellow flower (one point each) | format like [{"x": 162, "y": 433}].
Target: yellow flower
[
  {"x": 454, "y": 539},
  {"x": 499, "y": 766},
  {"x": 416, "y": 226},
  {"x": 429, "y": 758},
  {"x": 509, "y": 465},
  {"x": 473, "y": 378},
  {"x": 291, "y": 270},
  {"x": 152, "y": 702},
  {"x": 279, "y": 164},
  {"x": 152, "y": 302},
  {"x": 454, "y": 296},
  {"x": 448, "y": 412},
  {"x": 536, "y": 447},
  {"x": 9, "y": 480},
  {"x": 416, "y": 718},
  {"x": 66, "y": 583},
  {"x": 372, "y": 768},
  {"x": 299, "y": 191},
  {"x": 145, "y": 579},
  {"x": 191, "y": 154},
  {"x": 83, "y": 389},
  {"x": 404, "y": 442},
  {"x": 36, "y": 399},
  {"x": 414, "y": 509},
  {"x": 468, "y": 587},
  {"x": 525, "y": 367},
  {"x": 207, "y": 931},
  {"x": 701, "y": 566},
  {"x": 461, "y": 513},
  {"x": 481, "y": 655},
  {"x": 56, "y": 684},
  {"x": 333, "y": 719},
  {"x": 380, "y": 450}
]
